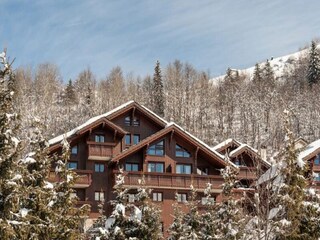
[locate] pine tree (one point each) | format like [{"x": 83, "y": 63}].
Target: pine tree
[
  {"x": 119, "y": 222},
  {"x": 208, "y": 228},
  {"x": 228, "y": 218},
  {"x": 39, "y": 195},
  {"x": 176, "y": 228},
  {"x": 158, "y": 92},
  {"x": 70, "y": 95},
  {"x": 69, "y": 218},
  {"x": 257, "y": 78},
  {"x": 313, "y": 74},
  {"x": 10, "y": 149},
  {"x": 146, "y": 218}
]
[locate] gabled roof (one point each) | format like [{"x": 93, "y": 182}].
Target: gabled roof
[
  {"x": 109, "y": 116},
  {"x": 177, "y": 130},
  {"x": 310, "y": 151},
  {"x": 246, "y": 148},
  {"x": 225, "y": 144},
  {"x": 241, "y": 147}
]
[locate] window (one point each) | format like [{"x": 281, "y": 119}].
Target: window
[
  {"x": 203, "y": 170},
  {"x": 181, "y": 197},
  {"x": 99, "y": 196},
  {"x": 181, "y": 152},
  {"x": 132, "y": 167},
  {"x": 127, "y": 121},
  {"x": 131, "y": 122},
  {"x": 316, "y": 176},
  {"x": 136, "y": 138},
  {"x": 99, "y": 167},
  {"x": 317, "y": 160},
  {"x": 237, "y": 162},
  {"x": 128, "y": 139},
  {"x": 136, "y": 121},
  {"x": 131, "y": 198},
  {"x": 99, "y": 138},
  {"x": 157, "y": 196},
  {"x": 74, "y": 150},
  {"x": 156, "y": 149},
  {"x": 72, "y": 165},
  {"x": 156, "y": 167},
  {"x": 183, "y": 169},
  {"x": 208, "y": 201}
]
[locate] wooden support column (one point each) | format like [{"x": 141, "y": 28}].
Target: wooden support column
[
  {"x": 115, "y": 135},
  {"x": 196, "y": 161},
  {"x": 171, "y": 136}
]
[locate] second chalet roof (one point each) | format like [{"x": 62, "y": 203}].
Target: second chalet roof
[
  {"x": 310, "y": 151},
  {"x": 107, "y": 116}
]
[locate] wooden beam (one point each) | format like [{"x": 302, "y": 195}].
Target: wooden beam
[
  {"x": 171, "y": 135},
  {"x": 114, "y": 135},
  {"x": 196, "y": 160}
]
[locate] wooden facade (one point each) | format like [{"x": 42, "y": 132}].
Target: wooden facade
[{"x": 142, "y": 143}]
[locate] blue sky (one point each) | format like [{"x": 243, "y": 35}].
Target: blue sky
[{"x": 210, "y": 34}]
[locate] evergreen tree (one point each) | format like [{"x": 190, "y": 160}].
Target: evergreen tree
[
  {"x": 146, "y": 218},
  {"x": 70, "y": 95},
  {"x": 119, "y": 223},
  {"x": 228, "y": 218},
  {"x": 10, "y": 148},
  {"x": 257, "y": 78},
  {"x": 313, "y": 74},
  {"x": 158, "y": 92},
  {"x": 208, "y": 228},
  {"x": 69, "y": 218},
  {"x": 176, "y": 228}
]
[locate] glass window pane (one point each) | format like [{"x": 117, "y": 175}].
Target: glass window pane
[
  {"x": 134, "y": 167},
  {"x": 187, "y": 169},
  {"x": 72, "y": 165},
  {"x": 136, "y": 139},
  {"x": 159, "y": 167},
  {"x": 74, "y": 150},
  {"x": 179, "y": 168},
  {"x": 128, "y": 139}
]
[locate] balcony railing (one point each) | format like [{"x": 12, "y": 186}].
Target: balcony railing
[
  {"x": 247, "y": 173},
  {"x": 174, "y": 181},
  {"x": 83, "y": 180},
  {"x": 100, "y": 151}
]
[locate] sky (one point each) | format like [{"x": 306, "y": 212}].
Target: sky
[{"x": 212, "y": 35}]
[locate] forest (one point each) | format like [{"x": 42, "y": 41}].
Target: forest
[
  {"x": 237, "y": 105},
  {"x": 261, "y": 110}
]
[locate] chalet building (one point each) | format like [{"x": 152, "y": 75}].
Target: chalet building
[{"x": 170, "y": 158}]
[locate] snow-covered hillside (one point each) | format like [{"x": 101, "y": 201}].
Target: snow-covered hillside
[{"x": 279, "y": 65}]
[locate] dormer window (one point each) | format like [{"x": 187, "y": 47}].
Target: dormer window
[
  {"x": 181, "y": 152},
  {"x": 99, "y": 138},
  {"x": 136, "y": 121},
  {"x": 156, "y": 149}
]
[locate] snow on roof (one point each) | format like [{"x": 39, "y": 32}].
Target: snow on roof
[
  {"x": 202, "y": 143},
  {"x": 155, "y": 115},
  {"x": 225, "y": 143},
  {"x": 310, "y": 150},
  {"x": 59, "y": 138}
]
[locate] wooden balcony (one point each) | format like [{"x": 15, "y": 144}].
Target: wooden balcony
[
  {"x": 100, "y": 151},
  {"x": 247, "y": 173},
  {"x": 83, "y": 180},
  {"x": 174, "y": 181}
]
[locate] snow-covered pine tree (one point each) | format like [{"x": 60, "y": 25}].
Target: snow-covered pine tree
[
  {"x": 39, "y": 195},
  {"x": 176, "y": 228},
  {"x": 313, "y": 73},
  {"x": 208, "y": 228},
  {"x": 297, "y": 217},
  {"x": 158, "y": 91},
  {"x": 119, "y": 223},
  {"x": 192, "y": 219},
  {"x": 228, "y": 216},
  {"x": 69, "y": 218},
  {"x": 145, "y": 217},
  {"x": 10, "y": 149},
  {"x": 257, "y": 78}
]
